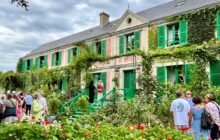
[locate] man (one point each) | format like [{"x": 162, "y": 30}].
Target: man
[
  {"x": 43, "y": 102},
  {"x": 29, "y": 101},
  {"x": 189, "y": 98},
  {"x": 180, "y": 109}
]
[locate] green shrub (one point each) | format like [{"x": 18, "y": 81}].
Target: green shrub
[{"x": 54, "y": 105}]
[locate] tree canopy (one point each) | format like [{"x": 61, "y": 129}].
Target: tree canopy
[{"x": 21, "y": 3}]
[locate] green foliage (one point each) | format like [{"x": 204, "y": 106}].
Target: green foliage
[
  {"x": 85, "y": 128},
  {"x": 82, "y": 103},
  {"x": 146, "y": 81},
  {"x": 19, "y": 65},
  {"x": 201, "y": 26},
  {"x": 152, "y": 38},
  {"x": 54, "y": 105}
]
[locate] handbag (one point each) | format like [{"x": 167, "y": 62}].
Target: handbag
[
  {"x": 10, "y": 111},
  {"x": 206, "y": 121}
]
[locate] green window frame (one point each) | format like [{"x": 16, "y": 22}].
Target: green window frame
[{"x": 218, "y": 24}]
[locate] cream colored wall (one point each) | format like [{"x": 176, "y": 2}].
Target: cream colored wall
[{"x": 124, "y": 24}]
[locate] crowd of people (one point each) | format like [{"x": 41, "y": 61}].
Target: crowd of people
[
  {"x": 199, "y": 116},
  {"x": 16, "y": 106}
]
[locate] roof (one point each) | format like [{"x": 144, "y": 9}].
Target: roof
[{"x": 151, "y": 14}]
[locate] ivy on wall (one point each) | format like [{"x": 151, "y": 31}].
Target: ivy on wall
[
  {"x": 201, "y": 26},
  {"x": 152, "y": 38}
]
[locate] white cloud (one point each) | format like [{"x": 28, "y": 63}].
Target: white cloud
[{"x": 22, "y": 31}]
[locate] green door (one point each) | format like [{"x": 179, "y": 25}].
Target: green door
[{"x": 129, "y": 84}]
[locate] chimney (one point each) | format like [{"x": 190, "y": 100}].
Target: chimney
[
  {"x": 104, "y": 19},
  {"x": 179, "y": 2}
]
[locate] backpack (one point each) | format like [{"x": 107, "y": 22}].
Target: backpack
[{"x": 206, "y": 121}]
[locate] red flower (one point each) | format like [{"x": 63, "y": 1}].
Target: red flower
[
  {"x": 88, "y": 134},
  {"x": 46, "y": 122},
  {"x": 32, "y": 117},
  {"x": 169, "y": 138},
  {"x": 97, "y": 124}
]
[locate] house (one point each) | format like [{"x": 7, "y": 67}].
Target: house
[{"x": 112, "y": 38}]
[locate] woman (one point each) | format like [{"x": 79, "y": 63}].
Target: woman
[
  {"x": 195, "y": 115},
  {"x": 10, "y": 106},
  {"x": 37, "y": 109},
  {"x": 19, "y": 112},
  {"x": 100, "y": 87},
  {"x": 213, "y": 109},
  {"x": 91, "y": 92}
]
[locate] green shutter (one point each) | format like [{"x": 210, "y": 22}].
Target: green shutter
[
  {"x": 103, "y": 78},
  {"x": 92, "y": 47},
  {"x": 36, "y": 62},
  {"x": 161, "y": 30},
  {"x": 183, "y": 32},
  {"x": 23, "y": 65},
  {"x": 69, "y": 55},
  {"x": 64, "y": 85},
  {"x": 45, "y": 61},
  {"x": 103, "y": 47},
  {"x": 77, "y": 50},
  {"x": 176, "y": 71},
  {"x": 187, "y": 72},
  {"x": 218, "y": 24},
  {"x": 31, "y": 64},
  {"x": 121, "y": 45},
  {"x": 53, "y": 59},
  {"x": 162, "y": 74},
  {"x": 60, "y": 59},
  {"x": 137, "y": 39},
  {"x": 215, "y": 73}
]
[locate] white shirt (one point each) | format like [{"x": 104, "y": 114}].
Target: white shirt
[
  {"x": 180, "y": 109},
  {"x": 43, "y": 102}
]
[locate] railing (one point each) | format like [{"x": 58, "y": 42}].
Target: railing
[
  {"x": 73, "y": 100},
  {"x": 102, "y": 101}
]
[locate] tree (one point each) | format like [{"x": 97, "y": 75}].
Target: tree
[{"x": 22, "y": 3}]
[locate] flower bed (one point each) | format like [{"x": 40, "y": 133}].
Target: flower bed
[{"x": 87, "y": 129}]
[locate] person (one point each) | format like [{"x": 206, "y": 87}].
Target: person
[
  {"x": 180, "y": 109},
  {"x": 43, "y": 103},
  {"x": 213, "y": 109},
  {"x": 1, "y": 107},
  {"x": 195, "y": 117},
  {"x": 19, "y": 112},
  {"x": 100, "y": 88},
  {"x": 29, "y": 101},
  {"x": 10, "y": 106},
  {"x": 21, "y": 96},
  {"x": 91, "y": 92},
  {"x": 37, "y": 108},
  {"x": 189, "y": 98}
]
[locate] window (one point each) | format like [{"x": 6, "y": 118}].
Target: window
[
  {"x": 98, "y": 47},
  {"x": 175, "y": 74},
  {"x": 41, "y": 61},
  {"x": 172, "y": 34},
  {"x": 130, "y": 42},
  {"x": 56, "y": 58},
  {"x": 74, "y": 52},
  {"x": 28, "y": 64}
]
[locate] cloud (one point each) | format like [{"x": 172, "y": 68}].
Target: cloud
[{"x": 22, "y": 31}]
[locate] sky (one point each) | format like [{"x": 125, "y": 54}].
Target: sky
[{"x": 47, "y": 20}]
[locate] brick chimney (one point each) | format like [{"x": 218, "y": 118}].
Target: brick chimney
[{"x": 104, "y": 19}]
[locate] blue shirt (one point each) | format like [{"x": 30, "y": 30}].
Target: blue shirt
[
  {"x": 189, "y": 100},
  {"x": 28, "y": 100}
]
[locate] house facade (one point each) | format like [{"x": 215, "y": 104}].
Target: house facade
[{"x": 131, "y": 31}]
